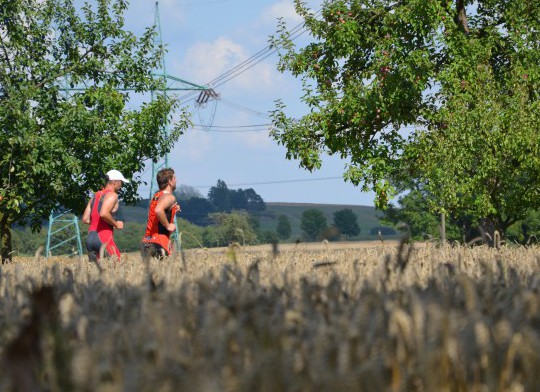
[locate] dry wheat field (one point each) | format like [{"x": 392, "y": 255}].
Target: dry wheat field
[{"x": 375, "y": 317}]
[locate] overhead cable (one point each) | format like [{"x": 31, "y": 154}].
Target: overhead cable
[
  {"x": 235, "y": 126},
  {"x": 275, "y": 182},
  {"x": 249, "y": 62},
  {"x": 243, "y": 108}
]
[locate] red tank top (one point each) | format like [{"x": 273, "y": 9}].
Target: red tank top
[
  {"x": 96, "y": 222},
  {"x": 154, "y": 226}
]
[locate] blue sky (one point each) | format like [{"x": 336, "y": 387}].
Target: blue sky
[{"x": 207, "y": 38}]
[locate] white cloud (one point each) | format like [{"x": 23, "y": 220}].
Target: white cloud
[
  {"x": 207, "y": 61},
  {"x": 283, "y": 9}
]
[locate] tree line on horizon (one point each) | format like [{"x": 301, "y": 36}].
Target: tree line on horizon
[
  {"x": 197, "y": 209},
  {"x": 225, "y": 228},
  {"x": 227, "y": 216}
]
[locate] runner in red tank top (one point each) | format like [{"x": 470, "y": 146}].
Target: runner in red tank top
[
  {"x": 99, "y": 215},
  {"x": 161, "y": 212}
]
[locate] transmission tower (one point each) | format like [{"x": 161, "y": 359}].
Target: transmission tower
[
  {"x": 170, "y": 83},
  {"x": 162, "y": 73}
]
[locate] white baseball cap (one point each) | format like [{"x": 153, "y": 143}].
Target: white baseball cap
[{"x": 113, "y": 175}]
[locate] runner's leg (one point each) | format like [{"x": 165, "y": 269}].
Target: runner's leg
[
  {"x": 93, "y": 245},
  {"x": 106, "y": 237}
]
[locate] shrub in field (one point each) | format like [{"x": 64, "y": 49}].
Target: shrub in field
[{"x": 232, "y": 227}]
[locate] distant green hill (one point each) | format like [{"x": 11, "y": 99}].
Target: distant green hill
[
  {"x": 132, "y": 214},
  {"x": 367, "y": 216}
]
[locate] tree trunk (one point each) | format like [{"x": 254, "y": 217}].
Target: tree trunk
[
  {"x": 5, "y": 239},
  {"x": 491, "y": 232},
  {"x": 442, "y": 228}
]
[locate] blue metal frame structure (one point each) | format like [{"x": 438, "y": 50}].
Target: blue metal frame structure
[{"x": 68, "y": 221}]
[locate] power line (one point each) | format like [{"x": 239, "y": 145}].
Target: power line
[
  {"x": 205, "y": 129},
  {"x": 243, "y": 108},
  {"x": 267, "y": 182},
  {"x": 223, "y": 79},
  {"x": 275, "y": 182},
  {"x": 235, "y": 126},
  {"x": 204, "y": 2},
  {"x": 262, "y": 183},
  {"x": 232, "y": 128},
  {"x": 245, "y": 65}
]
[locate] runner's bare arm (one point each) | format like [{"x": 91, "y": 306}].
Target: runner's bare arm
[
  {"x": 164, "y": 203},
  {"x": 87, "y": 212}
]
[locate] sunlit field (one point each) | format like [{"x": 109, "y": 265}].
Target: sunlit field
[{"x": 307, "y": 317}]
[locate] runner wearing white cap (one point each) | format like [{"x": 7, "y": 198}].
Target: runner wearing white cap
[{"x": 99, "y": 215}]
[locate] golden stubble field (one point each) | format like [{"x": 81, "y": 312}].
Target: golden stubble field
[{"x": 304, "y": 317}]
